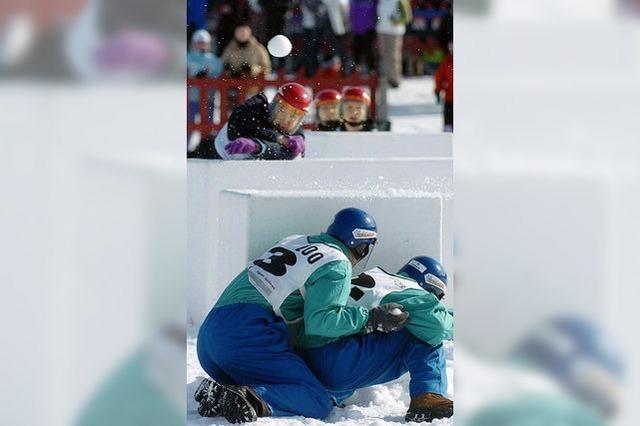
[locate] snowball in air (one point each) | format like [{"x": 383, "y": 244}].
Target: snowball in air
[{"x": 279, "y": 46}]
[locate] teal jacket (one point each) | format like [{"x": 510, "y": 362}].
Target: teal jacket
[
  {"x": 429, "y": 319},
  {"x": 323, "y": 310}
]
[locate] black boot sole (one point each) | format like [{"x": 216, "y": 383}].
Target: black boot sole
[
  {"x": 234, "y": 405},
  {"x": 202, "y": 389},
  {"x": 208, "y": 395},
  {"x": 428, "y": 415}
]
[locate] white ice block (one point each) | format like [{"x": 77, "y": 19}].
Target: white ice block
[
  {"x": 341, "y": 145},
  {"x": 375, "y": 178},
  {"x": 252, "y": 221}
]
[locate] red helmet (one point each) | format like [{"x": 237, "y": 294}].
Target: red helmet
[
  {"x": 327, "y": 96},
  {"x": 295, "y": 95},
  {"x": 356, "y": 93}
]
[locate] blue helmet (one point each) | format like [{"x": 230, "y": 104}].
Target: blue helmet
[
  {"x": 429, "y": 273},
  {"x": 356, "y": 229}
]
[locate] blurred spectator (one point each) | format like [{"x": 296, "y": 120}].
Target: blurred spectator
[
  {"x": 393, "y": 16},
  {"x": 355, "y": 110},
  {"x": 245, "y": 56},
  {"x": 295, "y": 32},
  {"x": 327, "y": 103},
  {"x": 325, "y": 24},
  {"x": 431, "y": 55},
  {"x": 336, "y": 33},
  {"x": 275, "y": 12},
  {"x": 314, "y": 15},
  {"x": 363, "y": 27},
  {"x": 444, "y": 28},
  {"x": 231, "y": 14},
  {"x": 444, "y": 83},
  {"x": 201, "y": 62}
]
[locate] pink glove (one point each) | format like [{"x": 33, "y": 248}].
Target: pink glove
[
  {"x": 241, "y": 146},
  {"x": 295, "y": 144}
]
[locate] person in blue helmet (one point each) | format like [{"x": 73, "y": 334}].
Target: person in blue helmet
[
  {"x": 243, "y": 344},
  {"x": 344, "y": 365}
]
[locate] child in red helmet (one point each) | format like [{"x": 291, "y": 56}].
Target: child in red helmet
[
  {"x": 259, "y": 129},
  {"x": 327, "y": 103},
  {"x": 355, "y": 110}
]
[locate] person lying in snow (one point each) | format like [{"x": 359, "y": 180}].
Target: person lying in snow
[
  {"x": 243, "y": 344},
  {"x": 346, "y": 364}
]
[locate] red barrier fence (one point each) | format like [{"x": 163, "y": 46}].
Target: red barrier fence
[{"x": 230, "y": 92}]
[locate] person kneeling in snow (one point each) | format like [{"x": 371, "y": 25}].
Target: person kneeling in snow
[
  {"x": 259, "y": 129},
  {"x": 347, "y": 364},
  {"x": 243, "y": 344}
]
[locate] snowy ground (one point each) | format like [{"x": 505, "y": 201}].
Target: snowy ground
[
  {"x": 374, "y": 406},
  {"x": 413, "y": 107}
]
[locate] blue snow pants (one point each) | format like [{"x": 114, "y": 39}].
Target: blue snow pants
[
  {"x": 366, "y": 360},
  {"x": 245, "y": 344}
]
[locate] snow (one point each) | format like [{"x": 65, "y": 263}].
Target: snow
[
  {"x": 413, "y": 107},
  {"x": 374, "y": 406}
]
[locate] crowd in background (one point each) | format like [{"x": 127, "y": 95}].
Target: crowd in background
[{"x": 332, "y": 37}]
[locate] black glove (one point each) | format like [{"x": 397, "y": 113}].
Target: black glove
[
  {"x": 438, "y": 97},
  {"x": 386, "y": 318}
]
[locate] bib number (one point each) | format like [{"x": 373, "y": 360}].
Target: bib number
[
  {"x": 282, "y": 257},
  {"x": 277, "y": 264},
  {"x": 311, "y": 253}
]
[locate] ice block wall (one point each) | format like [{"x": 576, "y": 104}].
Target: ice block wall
[{"x": 238, "y": 209}]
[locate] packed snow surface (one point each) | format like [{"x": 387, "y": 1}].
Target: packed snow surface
[
  {"x": 374, "y": 406},
  {"x": 413, "y": 107}
]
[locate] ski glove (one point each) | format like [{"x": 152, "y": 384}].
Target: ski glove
[
  {"x": 386, "y": 318},
  {"x": 295, "y": 144},
  {"x": 241, "y": 146}
]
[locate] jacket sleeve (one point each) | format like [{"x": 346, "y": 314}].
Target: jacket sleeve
[
  {"x": 247, "y": 120},
  {"x": 325, "y": 310},
  {"x": 429, "y": 320}
]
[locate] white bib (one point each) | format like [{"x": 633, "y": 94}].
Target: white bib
[
  {"x": 285, "y": 267},
  {"x": 370, "y": 287}
]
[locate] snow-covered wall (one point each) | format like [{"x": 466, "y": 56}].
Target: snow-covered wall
[
  {"x": 254, "y": 220},
  {"x": 238, "y": 209},
  {"x": 377, "y": 145}
]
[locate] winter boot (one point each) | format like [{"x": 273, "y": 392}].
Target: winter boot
[
  {"x": 237, "y": 404},
  {"x": 429, "y": 406}
]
